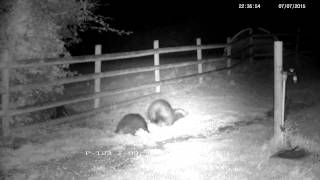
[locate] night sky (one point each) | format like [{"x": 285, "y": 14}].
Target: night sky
[{"x": 180, "y": 22}]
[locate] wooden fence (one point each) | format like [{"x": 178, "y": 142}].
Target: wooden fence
[
  {"x": 243, "y": 46},
  {"x": 258, "y": 43},
  {"x": 7, "y": 64}
]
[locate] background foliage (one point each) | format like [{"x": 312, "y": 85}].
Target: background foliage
[{"x": 43, "y": 29}]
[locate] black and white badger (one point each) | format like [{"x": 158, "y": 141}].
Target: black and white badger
[
  {"x": 161, "y": 113},
  {"x": 131, "y": 123}
]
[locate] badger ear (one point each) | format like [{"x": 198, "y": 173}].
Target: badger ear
[{"x": 179, "y": 113}]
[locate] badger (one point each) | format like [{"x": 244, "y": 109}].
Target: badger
[
  {"x": 131, "y": 123},
  {"x": 161, "y": 113}
]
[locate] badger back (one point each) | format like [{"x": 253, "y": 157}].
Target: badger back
[{"x": 131, "y": 123}]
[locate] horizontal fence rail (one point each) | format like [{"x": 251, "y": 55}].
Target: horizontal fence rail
[
  {"x": 107, "y": 57},
  {"x": 107, "y": 74}
]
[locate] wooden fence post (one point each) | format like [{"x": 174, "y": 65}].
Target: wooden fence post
[
  {"x": 156, "y": 63},
  {"x": 5, "y": 96},
  {"x": 297, "y": 47},
  {"x": 278, "y": 109},
  {"x": 229, "y": 55},
  {"x": 97, "y": 69},
  {"x": 199, "y": 58},
  {"x": 251, "y": 45}
]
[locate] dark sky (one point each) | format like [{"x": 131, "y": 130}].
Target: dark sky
[
  {"x": 140, "y": 14},
  {"x": 214, "y": 20}
]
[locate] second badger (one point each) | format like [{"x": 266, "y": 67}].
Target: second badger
[
  {"x": 131, "y": 123},
  {"x": 161, "y": 113}
]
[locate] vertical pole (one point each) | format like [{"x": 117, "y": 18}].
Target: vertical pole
[
  {"x": 251, "y": 45},
  {"x": 278, "y": 88},
  {"x": 229, "y": 55},
  {"x": 297, "y": 47},
  {"x": 156, "y": 63},
  {"x": 199, "y": 58},
  {"x": 5, "y": 95},
  {"x": 97, "y": 69}
]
